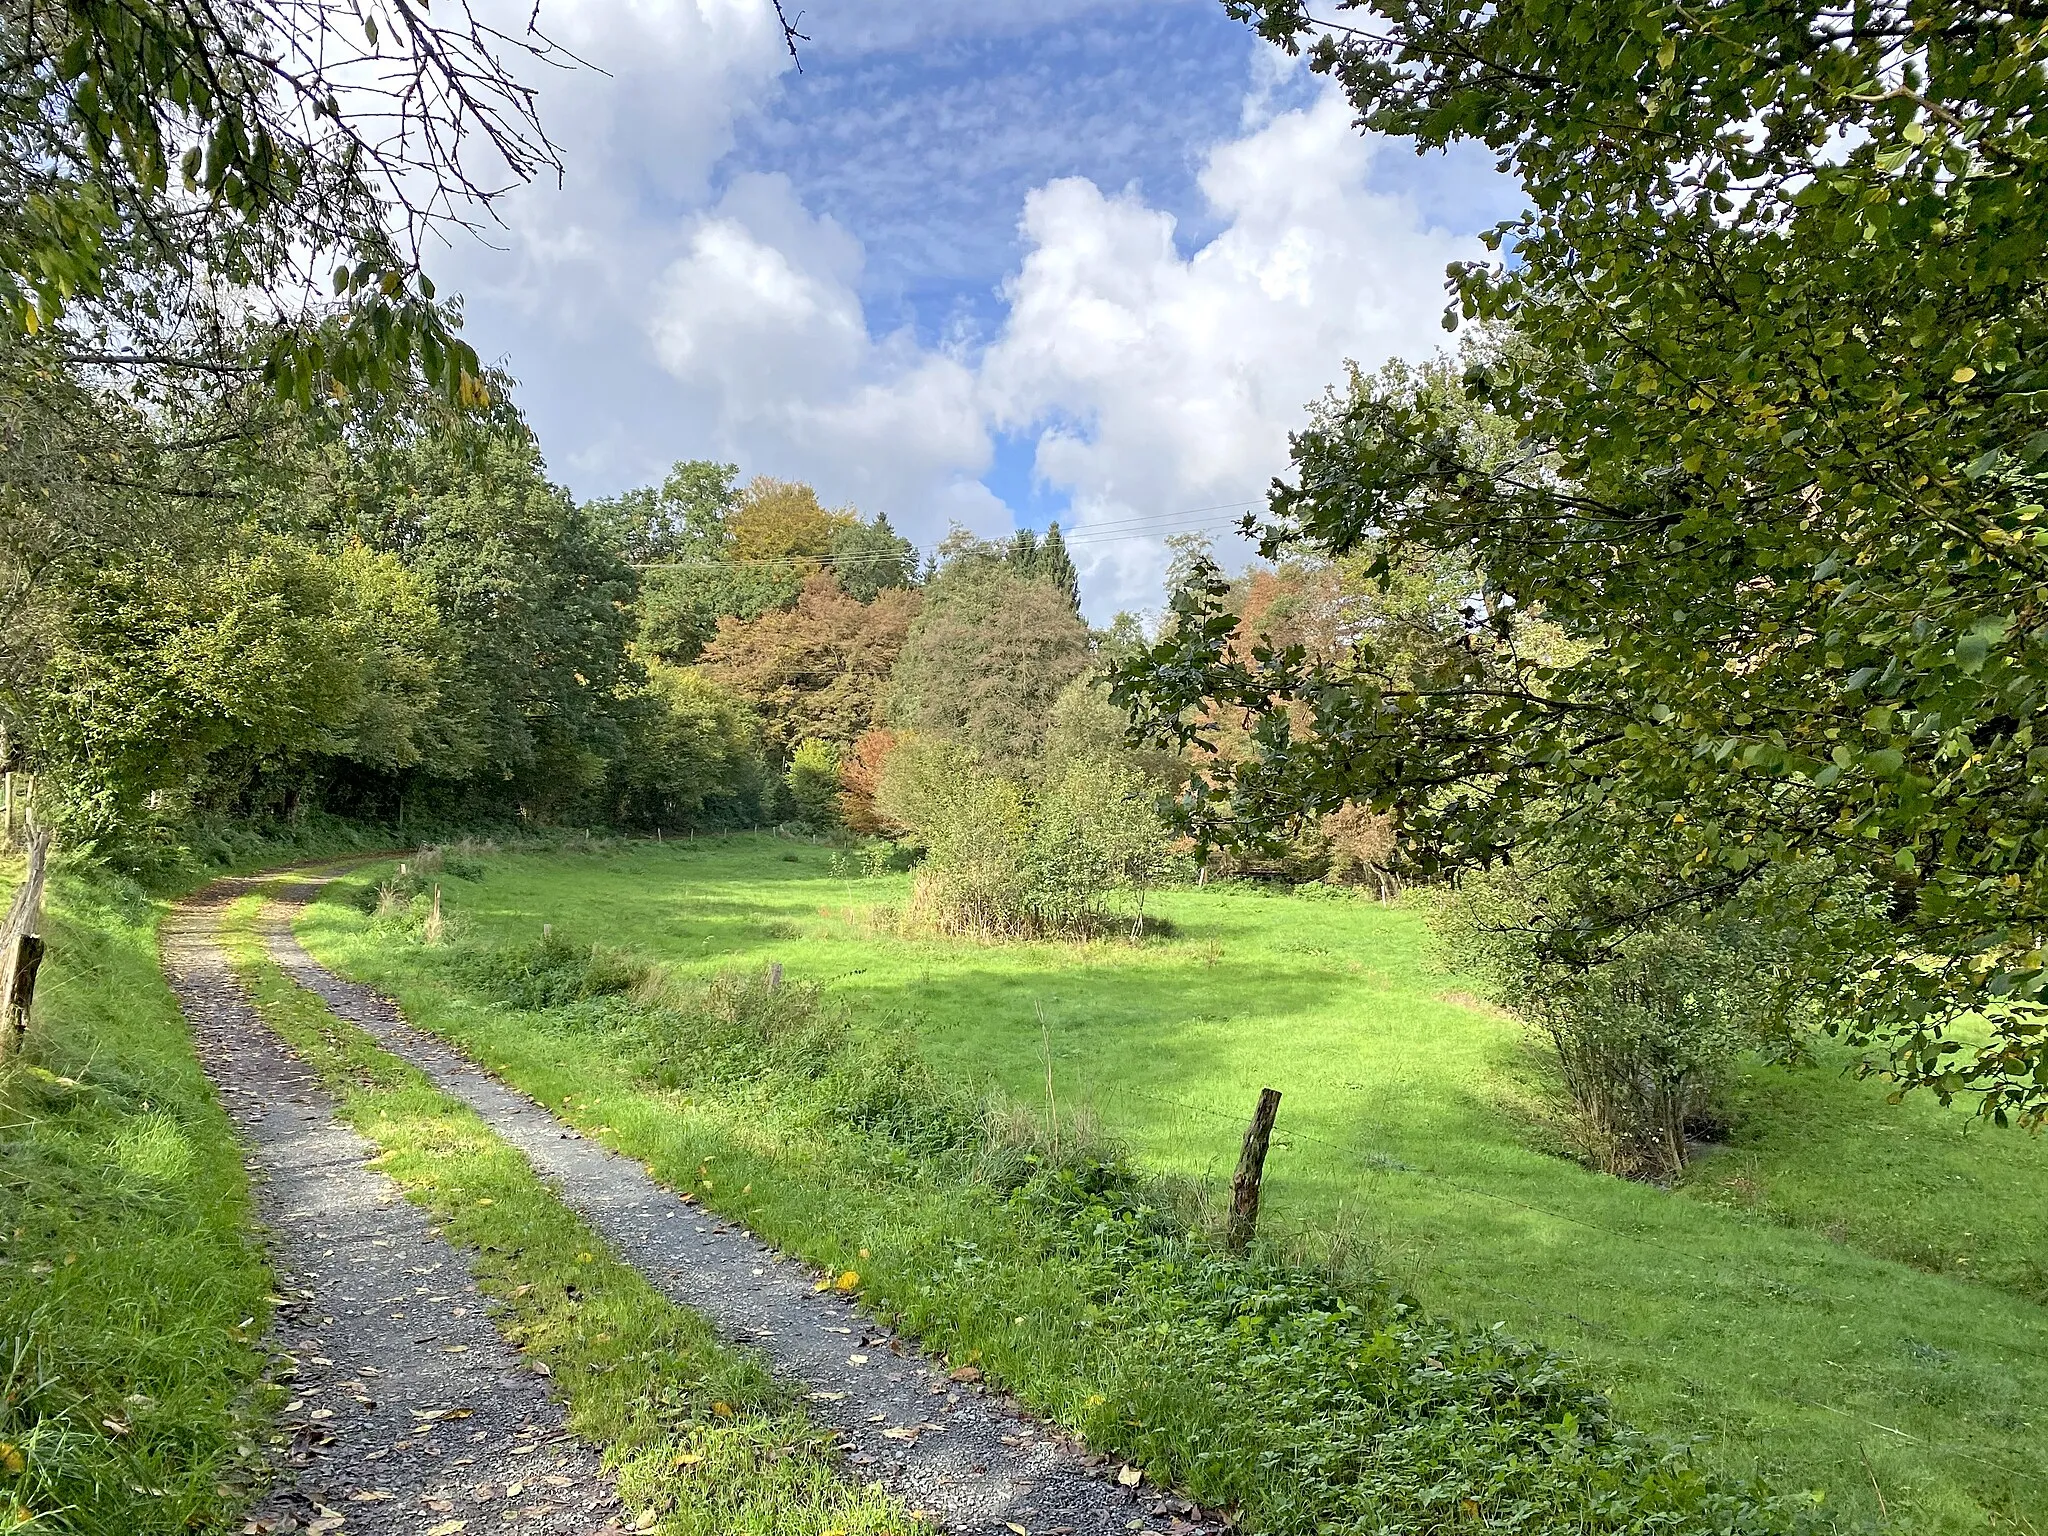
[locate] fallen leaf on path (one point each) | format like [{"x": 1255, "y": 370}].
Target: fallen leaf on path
[
  {"x": 448, "y": 1528},
  {"x": 847, "y": 1281},
  {"x": 856, "y": 1359},
  {"x": 370, "y": 1496},
  {"x": 965, "y": 1373},
  {"x": 901, "y": 1434},
  {"x": 1014, "y": 1526},
  {"x": 1130, "y": 1477}
]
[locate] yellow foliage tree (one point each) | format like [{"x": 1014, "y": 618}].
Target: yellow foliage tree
[{"x": 783, "y": 519}]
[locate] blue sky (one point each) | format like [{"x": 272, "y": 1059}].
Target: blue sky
[{"x": 985, "y": 264}]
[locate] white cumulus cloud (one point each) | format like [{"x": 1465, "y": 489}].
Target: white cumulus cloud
[
  {"x": 760, "y": 321},
  {"x": 1154, "y": 381},
  {"x": 1157, "y": 382}
]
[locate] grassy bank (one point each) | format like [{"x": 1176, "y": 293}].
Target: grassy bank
[
  {"x": 704, "y": 1441},
  {"x": 1764, "y": 1311},
  {"x": 132, "y": 1297}
]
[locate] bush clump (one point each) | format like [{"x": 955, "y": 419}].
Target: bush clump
[
  {"x": 1647, "y": 1020},
  {"x": 1067, "y": 857}
]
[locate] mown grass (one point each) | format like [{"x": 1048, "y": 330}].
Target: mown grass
[
  {"x": 1306, "y": 1400},
  {"x": 1764, "y": 1310},
  {"x": 705, "y": 1442},
  {"x": 132, "y": 1297}
]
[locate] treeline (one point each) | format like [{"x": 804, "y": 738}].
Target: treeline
[{"x": 389, "y": 612}]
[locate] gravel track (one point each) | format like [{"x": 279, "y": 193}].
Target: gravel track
[
  {"x": 969, "y": 1459},
  {"x": 408, "y": 1413}
]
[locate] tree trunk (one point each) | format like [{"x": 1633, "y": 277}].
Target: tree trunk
[{"x": 1251, "y": 1168}]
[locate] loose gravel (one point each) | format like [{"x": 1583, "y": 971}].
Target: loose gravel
[
  {"x": 969, "y": 1459},
  {"x": 408, "y": 1414}
]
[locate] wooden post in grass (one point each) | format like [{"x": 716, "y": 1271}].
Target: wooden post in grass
[
  {"x": 1251, "y": 1167},
  {"x": 25, "y": 956},
  {"x": 774, "y": 974}
]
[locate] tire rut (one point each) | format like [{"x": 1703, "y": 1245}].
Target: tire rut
[
  {"x": 407, "y": 1413},
  {"x": 971, "y": 1460}
]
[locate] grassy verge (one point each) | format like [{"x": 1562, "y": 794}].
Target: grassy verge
[
  {"x": 1304, "y": 1401},
  {"x": 1843, "y": 1298},
  {"x": 132, "y": 1297},
  {"x": 703, "y": 1439}
]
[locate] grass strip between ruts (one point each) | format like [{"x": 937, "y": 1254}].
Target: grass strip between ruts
[{"x": 702, "y": 1438}]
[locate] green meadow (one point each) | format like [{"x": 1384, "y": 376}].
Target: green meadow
[{"x": 1847, "y": 1296}]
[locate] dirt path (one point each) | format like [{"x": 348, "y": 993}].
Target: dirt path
[
  {"x": 970, "y": 1459},
  {"x": 408, "y": 1413}
]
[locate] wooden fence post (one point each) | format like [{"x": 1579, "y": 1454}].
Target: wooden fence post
[
  {"x": 1251, "y": 1168},
  {"x": 774, "y": 974},
  {"x": 25, "y": 956}
]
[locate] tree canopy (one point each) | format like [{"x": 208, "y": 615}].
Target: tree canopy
[
  {"x": 1754, "y": 419},
  {"x": 987, "y": 656}
]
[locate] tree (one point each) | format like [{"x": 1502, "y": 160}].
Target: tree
[
  {"x": 860, "y": 781},
  {"x": 1764, "y": 363},
  {"x": 870, "y": 558},
  {"x": 813, "y": 782},
  {"x": 692, "y": 759},
  {"x": 783, "y": 521},
  {"x": 986, "y": 658},
  {"x": 818, "y": 671},
  {"x": 529, "y": 587},
  {"x": 679, "y": 535},
  {"x": 192, "y": 683},
  {"x": 159, "y": 159},
  {"x": 1056, "y": 566},
  {"x": 685, "y": 518}
]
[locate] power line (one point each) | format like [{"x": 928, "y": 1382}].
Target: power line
[{"x": 1150, "y": 526}]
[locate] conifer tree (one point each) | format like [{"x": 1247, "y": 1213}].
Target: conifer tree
[{"x": 1056, "y": 566}]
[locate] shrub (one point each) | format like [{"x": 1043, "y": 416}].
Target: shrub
[
  {"x": 1006, "y": 861},
  {"x": 813, "y": 780},
  {"x": 1644, "y": 1030}
]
